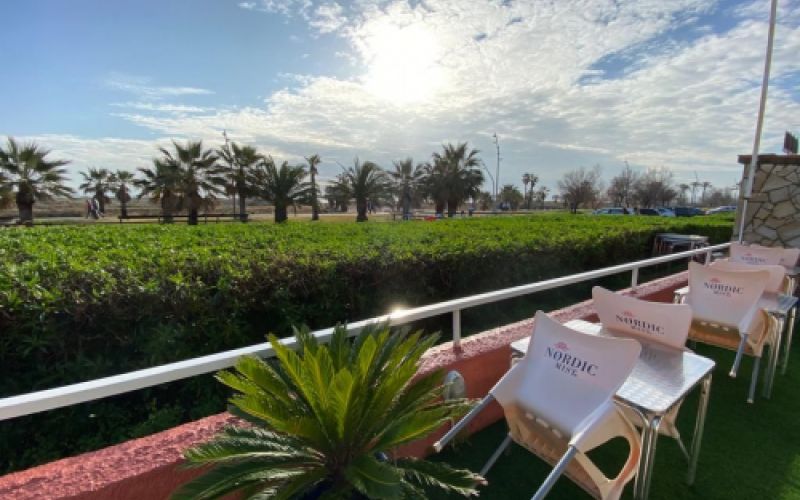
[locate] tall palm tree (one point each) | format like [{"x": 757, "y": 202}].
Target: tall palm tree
[
  {"x": 282, "y": 186},
  {"x": 121, "y": 179},
  {"x": 407, "y": 178},
  {"x": 338, "y": 194},
  {"x": 99, "y": 183},
  {"x": 365, "y": 182},
  {"x": 462, "y": 175},
  {"x": 200, "y": 178},
  {"x": 313, "y": 161},
  {"x": 241, "y": 160},
  {"x": 683, "y": 189},
  {"x": 160, "y": 184},
  {"x": 705, "y": 186},
  {"x": 30, "y": 176}
]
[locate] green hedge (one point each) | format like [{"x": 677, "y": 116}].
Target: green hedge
[{"x": 77, "y": 303}]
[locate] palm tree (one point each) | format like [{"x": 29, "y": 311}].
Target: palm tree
[
  {"x": 313, "y": 161},
  {"x": 696, "y": 184},
  {"x": 338, "y": 194},
  {"x": 705, "y": 186},
  {"x": 365, "y": 182},
  {"x": 121, "y": 179},
  {"x": 160, "y": 184},
  {"x": 98, "y": 182},
  {"x": 30, "y": 176},
  {"x": 683, "y": 189},
  {"x": 282, "y": 186},
  {"x": 324, "y": 418},
  {"x": 462, "y": 177},
  {"x": 241, "y": 160},
  {"x": 199, "y": 177},
  {"x": 407, "y": 179}
]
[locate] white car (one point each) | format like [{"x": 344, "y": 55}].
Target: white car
[{"x": 722, "y": 209}]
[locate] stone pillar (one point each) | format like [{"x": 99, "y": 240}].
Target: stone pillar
[{"x": 773, "y": 213}]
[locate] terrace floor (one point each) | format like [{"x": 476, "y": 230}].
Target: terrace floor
[{"x": 748, "y": 451}]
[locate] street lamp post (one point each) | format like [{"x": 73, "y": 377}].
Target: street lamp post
[
  {"x": 233, "y": 170},
  {"x": 497, "y": 171}
]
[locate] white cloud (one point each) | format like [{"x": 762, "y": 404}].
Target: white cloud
[
  {"x": 142, "y": 87},
  {"x": 161, "y": 107},
  {"x": 328, "y": 17},
  {"x": 535, "y": 73}
]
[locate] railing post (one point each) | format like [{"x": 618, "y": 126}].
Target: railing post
[
  {"x": 634, "y": 278},
  {"x": 457, "y": 328},
  {"x": 708, "y": 257}
]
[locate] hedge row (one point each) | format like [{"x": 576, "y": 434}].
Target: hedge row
[{"x": 77, "y": 303}]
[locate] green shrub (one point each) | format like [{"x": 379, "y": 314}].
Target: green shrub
[{"x": 78, "y": 303}]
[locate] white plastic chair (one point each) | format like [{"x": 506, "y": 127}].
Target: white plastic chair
[
  {"x": 666, "y": 324},
  {"x": 777, "y": 283},
  {"x": 656, "y": 322},
  {"x": 726, "y": 313},
  {"x": 558, "y": 404},
  {"x": 751, "y": 254},
  {"x": 789, "y": 256}
]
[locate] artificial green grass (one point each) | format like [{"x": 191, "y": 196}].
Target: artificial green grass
[{"x": 748, "y": 451}]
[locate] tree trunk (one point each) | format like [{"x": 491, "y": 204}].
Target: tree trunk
[
  {"x": 25, "y": 213},
  {"x": 242, "y": 206},
  {"x": 101, "y": 202},
  {"x": 192, "y": 216},
  {"x": 314, "y": 204},
  {"x": 166, "y": 209},
  {"x": 439, "y": 206},
  {"x": 452, "y": 207},
  {"x": 123, "y": 209},
  {"x": 406, "y": 207},
  {"x": 280, "y": 213},
  {"x": 361, "y": 210}
]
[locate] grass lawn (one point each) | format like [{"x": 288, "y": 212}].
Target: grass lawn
[{"x": 748, "y": 452}]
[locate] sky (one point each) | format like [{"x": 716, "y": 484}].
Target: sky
[{"x": 562, "y": 83}]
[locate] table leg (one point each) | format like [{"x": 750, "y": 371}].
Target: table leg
[
  {"x": 699, "y": 424},
  {"x": 649, "y": 440},
  {"x": 788, "y": 346}
]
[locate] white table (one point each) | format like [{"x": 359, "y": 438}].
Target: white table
[{"x": 660, "y": 380}]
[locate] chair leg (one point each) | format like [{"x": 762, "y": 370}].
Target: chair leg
[
  {"x": 459, "y": 426},
  {"x": 753, "y": 380},
  {"x": 559, "y": 469},
  {"x": 499, "y": 451},
  {"x": 738, "y": 359}
]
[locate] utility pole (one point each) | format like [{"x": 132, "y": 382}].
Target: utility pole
[
  {"x": 497, "y": 171},
  {"x": 233, "y": 170}
]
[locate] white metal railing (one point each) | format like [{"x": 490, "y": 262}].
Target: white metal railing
[{"x": 50, "y": 399}]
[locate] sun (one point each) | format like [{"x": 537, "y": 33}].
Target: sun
[{"x": 403, "y": 65}]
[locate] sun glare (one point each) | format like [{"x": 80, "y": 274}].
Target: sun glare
[{"x": 403, "y": 65}]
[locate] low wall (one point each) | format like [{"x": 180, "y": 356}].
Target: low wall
[{"x": 150, "y": 467}]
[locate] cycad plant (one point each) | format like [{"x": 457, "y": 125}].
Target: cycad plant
[{"x": 326, "y": 418}]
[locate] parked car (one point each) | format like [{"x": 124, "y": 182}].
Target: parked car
[
  {"x": 657, "y": 212},
  {"x": 665, "y": 212},
  {"x": 611, "y": 211},
  {"x": 688, "y": 211},
  {"x": 722, "y": 209}
]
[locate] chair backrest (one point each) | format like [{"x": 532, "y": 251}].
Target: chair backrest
[
  {"x": 566, "y": 375},
  {"x": 789, "y": 256},
  {"x": 777, "y": 274},
  {"x": 656, "y": 321},
  {"x": 755, "y": 255},
  {"x": 726, "y": 297}
]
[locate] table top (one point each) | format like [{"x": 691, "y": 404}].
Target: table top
[{"x": 660, "y": 378}]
